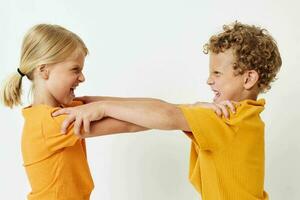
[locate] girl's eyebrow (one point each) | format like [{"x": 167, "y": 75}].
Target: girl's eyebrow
[{"x": 76, "y": 66}]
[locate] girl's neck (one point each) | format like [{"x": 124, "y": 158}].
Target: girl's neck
[{"x": 44, "y": 98}]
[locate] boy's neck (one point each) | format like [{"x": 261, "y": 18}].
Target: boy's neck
[{"x": 249, "y": 95}]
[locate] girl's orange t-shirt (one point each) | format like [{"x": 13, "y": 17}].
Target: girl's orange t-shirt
[{"x": 55, "y": 163}]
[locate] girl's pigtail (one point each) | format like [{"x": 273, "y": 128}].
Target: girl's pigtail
[{"x": 11, "y": 90}]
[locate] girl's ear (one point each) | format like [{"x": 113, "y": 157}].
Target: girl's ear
[
  {"x": 250, "y": 79},
  {"x": 43, "y": 71}
]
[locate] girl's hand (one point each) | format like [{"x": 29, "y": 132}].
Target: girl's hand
[
  {"x": 221, "y": 108},
  {"x": 82, "y": 115}
]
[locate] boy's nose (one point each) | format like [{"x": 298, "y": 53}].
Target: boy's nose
[{"x": 209, "y": 81}]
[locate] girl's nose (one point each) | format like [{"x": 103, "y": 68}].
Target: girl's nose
[{"x": 81, "y": 78}]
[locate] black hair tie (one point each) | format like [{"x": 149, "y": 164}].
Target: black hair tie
[{"x": 19, "y": 71}]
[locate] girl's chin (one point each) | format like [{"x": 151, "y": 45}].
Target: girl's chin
[{"x": 68, "y": 101}]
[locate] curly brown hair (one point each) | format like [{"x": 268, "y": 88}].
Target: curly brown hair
[{"x": 254, "y": 49}]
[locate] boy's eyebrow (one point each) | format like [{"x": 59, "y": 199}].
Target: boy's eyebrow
[{"x": 215, "y": 68}]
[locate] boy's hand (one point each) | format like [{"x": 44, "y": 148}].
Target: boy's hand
[
  {"x": 220, "y": 109},
  {"x": 82, "y": 115}
]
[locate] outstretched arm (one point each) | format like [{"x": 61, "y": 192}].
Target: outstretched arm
[
  {"x": 151, "y": 114},
  {"x": 90, "y": 99},
  {"x": 109, "y": 126}
]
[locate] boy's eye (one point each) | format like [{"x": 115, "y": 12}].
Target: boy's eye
[{"x": 217, "y": 73}]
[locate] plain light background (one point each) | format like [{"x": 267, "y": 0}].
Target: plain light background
[{"x": 154, "y": 49}]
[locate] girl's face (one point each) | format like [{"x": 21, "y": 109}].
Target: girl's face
[{"x": 64, "y": 77}]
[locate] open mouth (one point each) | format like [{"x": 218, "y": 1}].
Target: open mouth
[
  {"x": 217, "y": 94},
  {"x": 72, "y": 89}
]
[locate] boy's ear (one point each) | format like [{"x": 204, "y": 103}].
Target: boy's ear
[
  {"x": 43, "y": 71},
  {"x": 250, "y": 79}
]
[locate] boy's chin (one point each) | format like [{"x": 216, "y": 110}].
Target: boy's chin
[{"x": 217, "y": 100}]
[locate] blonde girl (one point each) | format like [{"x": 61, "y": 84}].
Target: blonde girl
[{"x": 52, "y": 58}]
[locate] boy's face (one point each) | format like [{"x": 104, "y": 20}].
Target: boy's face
[{"x": 222, "y": 80}]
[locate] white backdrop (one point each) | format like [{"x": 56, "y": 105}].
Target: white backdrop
[{"x": 154, "y": 49}]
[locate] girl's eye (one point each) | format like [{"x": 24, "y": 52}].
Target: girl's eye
[{"x": 76, "y": 70}]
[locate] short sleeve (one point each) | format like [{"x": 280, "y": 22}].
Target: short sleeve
[
  {"x": 54, "y": 138},
  {"x": 208, "y": 131},
  {"x": 76, "y": 103}
]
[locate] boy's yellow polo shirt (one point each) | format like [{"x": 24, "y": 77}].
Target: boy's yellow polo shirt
[
  {"x": 55, "y": 163},
  {"x": 227, "y": 155}
]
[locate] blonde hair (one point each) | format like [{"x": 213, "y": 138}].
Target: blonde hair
[{"x": 43, "y": 44}]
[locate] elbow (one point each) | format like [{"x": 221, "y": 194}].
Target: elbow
[
  {"x": 84, "y": 135},
  {"x": 132, "y": 128},
  {"x": 176, "y": 119}
]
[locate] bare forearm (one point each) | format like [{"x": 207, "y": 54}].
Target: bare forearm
[
  {"x": 151, "y": 114},
  {"x": 108, "y": 98},
  {"x": 110, "y": 126}
]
